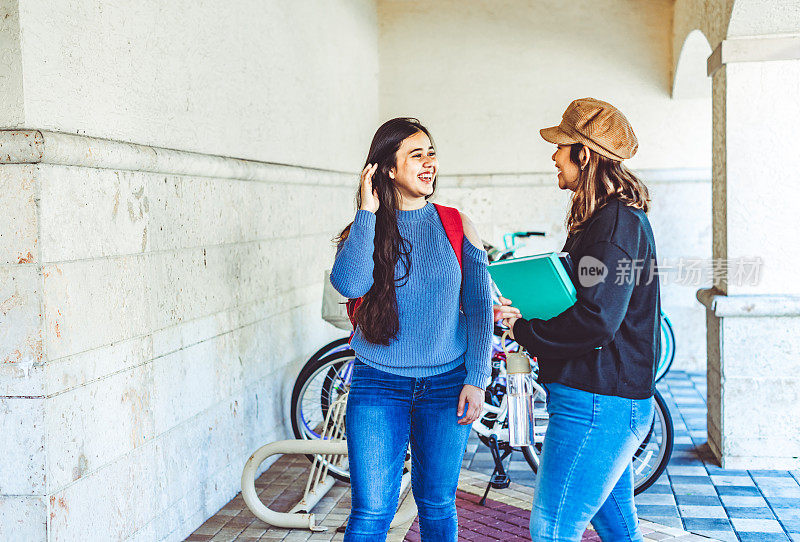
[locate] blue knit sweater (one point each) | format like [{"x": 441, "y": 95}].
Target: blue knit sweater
[{"x": 435, "y": 336}]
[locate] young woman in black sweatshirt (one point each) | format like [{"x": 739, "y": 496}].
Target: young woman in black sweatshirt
[{"x": 597, "y": 359}]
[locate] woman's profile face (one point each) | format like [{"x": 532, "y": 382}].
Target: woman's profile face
[
  {"x": 416, "y": 167},
  {"x": 568, "y": 171}
]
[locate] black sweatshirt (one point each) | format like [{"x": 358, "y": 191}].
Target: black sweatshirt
[{"x": 620, "y": 314}]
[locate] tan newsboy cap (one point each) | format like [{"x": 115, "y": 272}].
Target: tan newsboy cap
[{"x": 598, "y": 125}]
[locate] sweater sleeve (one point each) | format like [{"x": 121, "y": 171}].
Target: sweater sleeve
[
  {"x": 476, "y": 300},
  {"x": 593, "y": 320},
  {"x": 351, "y": 274}
]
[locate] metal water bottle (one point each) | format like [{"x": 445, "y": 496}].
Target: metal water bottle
[{"x": 519, "y": 393}]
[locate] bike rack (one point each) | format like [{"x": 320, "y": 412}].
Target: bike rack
[{"x": 329, "y": 450}]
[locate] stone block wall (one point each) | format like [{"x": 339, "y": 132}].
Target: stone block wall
[{"x": 156, "y": 306}]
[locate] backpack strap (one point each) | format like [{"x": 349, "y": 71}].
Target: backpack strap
[{"x": 453, "y": 227}]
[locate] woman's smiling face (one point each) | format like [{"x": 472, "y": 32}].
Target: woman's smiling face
[
  {"x": 568, "y": 171},
  {"x": 416, "y": 167}
]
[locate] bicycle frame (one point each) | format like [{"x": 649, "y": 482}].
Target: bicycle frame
[{"x": 483, "y": 427}]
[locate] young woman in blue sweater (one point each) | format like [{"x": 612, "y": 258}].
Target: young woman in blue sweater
[{"x": 422, "y": 338}]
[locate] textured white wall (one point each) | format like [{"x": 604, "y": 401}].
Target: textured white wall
[
  {"x": 690, "y": 79},
  {"x": 151, "y": 321},
  {"x": 154, "y": 304},
  {"x": 12, "y": 110},
  {"x": 486, "y": 75},
  {"x": 287, "y": 82}
]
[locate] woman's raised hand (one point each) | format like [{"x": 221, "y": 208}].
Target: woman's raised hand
[{"x": 369, "y": 198}]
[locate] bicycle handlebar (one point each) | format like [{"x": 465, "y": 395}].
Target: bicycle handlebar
[{"x": 528, "y": 233}]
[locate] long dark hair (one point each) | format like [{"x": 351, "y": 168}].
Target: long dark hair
[
  {"x": 601, "y": 180},
  {"x": 377, "y": 314}
]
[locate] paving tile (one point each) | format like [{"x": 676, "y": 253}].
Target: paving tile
[
  {"x": 694, "y": 489},
  {"x": 749, "y": 512},
  {"x": 756, "y": 525},
  {"x": 680, "y": 479},
  {"x": 727, "y": 480},
  {"x": 706, "y": 524},
  {"x": 716, "y": 469},
  {"x": 654, "y": 498},
  {"x": 686, "y": 462},
  {"x": 669, "y": 521},
  {"x": 686, "y": 470},
  {"x": 684, "y": 448},
  {"x": 739, "y": 500},
  {"x": 771, "y": 474},
  {"x": 791, "y": 526},
  {"x": 781, "y": 502},
  {"x": 660, "y": 510},
  {"x": 658, "y": 489},
  {"x": 763, "y": 537},
  {"x": 738, "y": 490},
  {"x": 694, "y": 511},
  {"x": 699, "y": 500},
  {"x": 787, "y": 492},
  {"x": 788, "y": 514},
  {"x": 209, "y": 530},
  {"x": 725, "y": 536}
]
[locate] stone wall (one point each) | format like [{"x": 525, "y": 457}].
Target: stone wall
[
  {"x": 155, "y": 308},
  {"x": 155, "y": 304}
]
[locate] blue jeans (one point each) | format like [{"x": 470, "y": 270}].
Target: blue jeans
[
  {"x": 384, "y": 413},
  {"x": 585, "y": 473}
]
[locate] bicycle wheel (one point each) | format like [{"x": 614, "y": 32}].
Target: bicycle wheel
[
  {"x": 652, "y": 456},
  {"x": 667, "y": 348},
  {"x": 320, "y": 383},
  {"x": 338, "y": 345}
]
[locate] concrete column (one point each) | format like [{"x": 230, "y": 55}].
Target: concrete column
[{"x": 753, "y": 321}]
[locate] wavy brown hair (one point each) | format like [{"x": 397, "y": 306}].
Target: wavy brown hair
[
  {"x": 601, "y": 180},
  {"x": 377, "y": 315}
]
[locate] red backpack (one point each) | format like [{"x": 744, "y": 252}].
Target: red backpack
[{"x": 453, "y": 228}]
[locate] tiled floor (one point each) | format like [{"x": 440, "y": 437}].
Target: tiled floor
[
  {"x": 512, "y": 506},
  {"x": 695, "y": 494},
  {"x": 504, "y": 518},
  {"x": 500, "y": 521}
]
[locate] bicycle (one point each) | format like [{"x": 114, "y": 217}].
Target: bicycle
[
  {"x": 667, "y": 334},
  {"x": 326, "y": 377}
]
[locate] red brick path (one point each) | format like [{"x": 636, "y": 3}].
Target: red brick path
[{"x": 495, "y": 521}]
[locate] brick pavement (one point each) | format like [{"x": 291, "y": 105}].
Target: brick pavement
[
  {"x": 695, "y": 493},
  {"x": 504, "y": 518}
]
